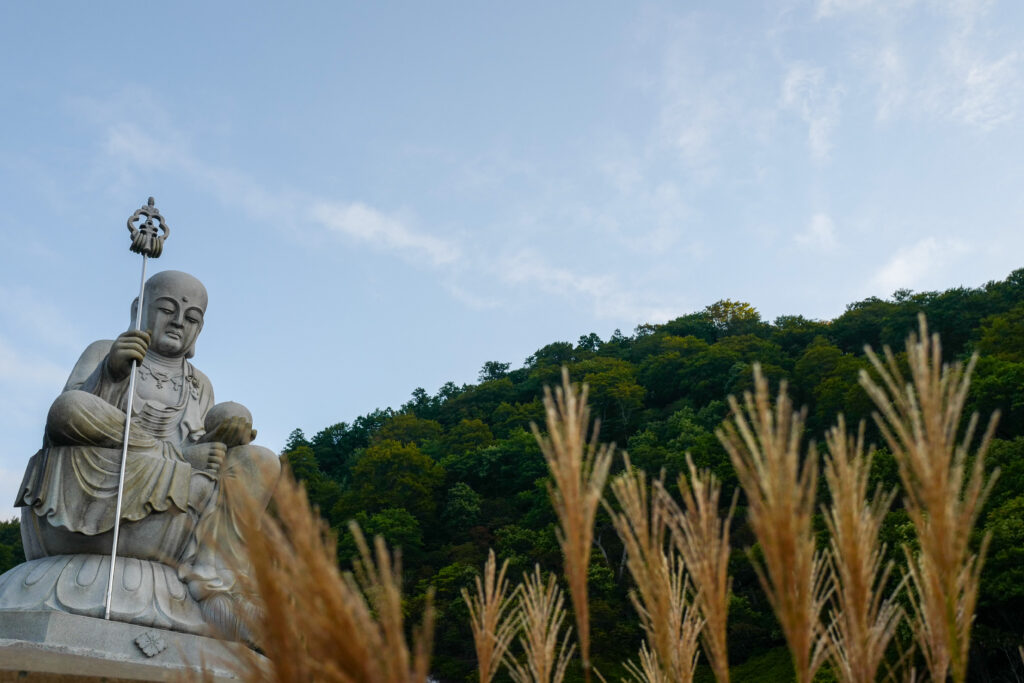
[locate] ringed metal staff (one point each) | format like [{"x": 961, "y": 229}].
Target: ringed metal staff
[{"x": 145, "y": 226}]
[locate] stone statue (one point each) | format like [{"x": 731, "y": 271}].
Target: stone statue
[{"x": 187, "y": 461}]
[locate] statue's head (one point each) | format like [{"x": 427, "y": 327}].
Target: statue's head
[{"x": 175, "y": 304}]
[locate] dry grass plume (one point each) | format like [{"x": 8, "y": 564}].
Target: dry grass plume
[
  {"x": 864, "y": 620},
  {"x": 780, "y": 484},
  {"x": 944, "y": 491},
  {"x": 702, "y": 537},
  {"x": 646, "y": 670},
  {"x": 490, "y": 614},
  {"x": 540, "y": 613},
  {"x": 670, "y": 623},
  {"x": 579, "y": 468}
]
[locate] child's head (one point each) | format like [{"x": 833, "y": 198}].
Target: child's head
[{"x": 223, "y": 411}]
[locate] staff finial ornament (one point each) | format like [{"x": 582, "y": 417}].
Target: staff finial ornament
[{"x": 146, "y": 239}]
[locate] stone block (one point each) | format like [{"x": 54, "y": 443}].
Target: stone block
[{"x": 46, "y": 645}]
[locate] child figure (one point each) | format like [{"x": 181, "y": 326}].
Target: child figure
[
  {"x": 229, "y": 417},
  {"x": 211, "y": 576}
]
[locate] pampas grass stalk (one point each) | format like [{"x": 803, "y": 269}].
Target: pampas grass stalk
[
  {"x": 540, "y": 613},
  {"x": 579, "y": 469},
  {"x": 646, "y": 670},
  {"x": 864, "y": 620},
  {"x": 490, "y": 612},
  {"x": 314, "y": 623},
  {"x": 780, "y": 485},
  {"x": 702, "y": 537},
  {"x": 671, "y": 624},
  {"x": 944, "y": 491}
]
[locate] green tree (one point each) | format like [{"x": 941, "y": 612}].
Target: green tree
[
  {"x": 825, "y": 379},
  {"x": 492, "y": 369},
  {"x": 662, "y": 374},
  {"x": 614, "y": 393},
  {"x": 477, "y": 402},
  {"x": 501, "y": 469},
  {"x": 588, "y": 343},
  {"x": 336, "y": 446},
  {"x": 323, "y": 491},
  {"x": 793, "y": 333},
  {"x": 555, "y": 354},
  {"x": 453, "y": 642},
  {"x": 468, "y": 435},
  {"x": 999, "y": 385},
  {"x": 1002, "y": 336},
  {"x": 861, "y": 324},
  {"x": 11, "y": 552},
  {"x": 512, "y": 417},
  {"x": 461, "y": 510},
  {"x": 1003, "y": 579},
  {"x": 390, "y": 474},
  {"x": 734, "y": 317},
  {"x": 295, "y": 439},
  {"x": 408, "y": 428},
  {"x": 395, "y": 525},
  {"x": 700, "y": 325}
]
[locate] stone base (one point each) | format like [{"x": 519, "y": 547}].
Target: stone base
[
  {"x": 44, "y": 645},
  {"x": 145, "y": 592}
]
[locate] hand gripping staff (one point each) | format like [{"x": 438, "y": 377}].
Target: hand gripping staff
[{"x": 148, "y": 231}]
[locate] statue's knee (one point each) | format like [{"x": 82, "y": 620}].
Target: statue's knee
[
  {"x": 66, "y": 411},
  {"x": 268, "y": 463},
  {"x": 261, "y": 462},
  {"x": 64, "y": 407}
]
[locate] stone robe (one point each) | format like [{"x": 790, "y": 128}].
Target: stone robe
[{"x": 72, "y": 482}]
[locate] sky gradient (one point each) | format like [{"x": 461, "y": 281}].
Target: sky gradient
[{"x": 382, "y": 196}]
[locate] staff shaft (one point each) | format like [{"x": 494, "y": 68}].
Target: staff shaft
[{"x": 124, "y": 449}]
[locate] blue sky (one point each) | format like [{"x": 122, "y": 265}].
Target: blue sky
[{"x": 381, "y": 196}]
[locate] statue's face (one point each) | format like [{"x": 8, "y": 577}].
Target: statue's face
[
  {"x": 175, "y": 306},
  {"x": 175, "y": 326}
]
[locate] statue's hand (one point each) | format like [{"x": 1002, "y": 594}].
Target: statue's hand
[
  {"x": 206, "y": 456},
  {"x": 234, "y": 431},
  {"x": 129, "y": 346}
]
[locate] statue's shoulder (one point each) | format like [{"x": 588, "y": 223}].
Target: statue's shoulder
[
  {"x": 90, "y": 359},
  {"x": 200, "y": 376}
]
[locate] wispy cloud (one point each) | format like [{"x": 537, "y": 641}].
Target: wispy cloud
[
  {"x": 820, "y": 234},
  {"x": 605, "y": 293},
  {"x": 165, "y": 148},
  {"x": 702, "y": 103},
  {"x": 988, "y": 91},
  {"x": 969, "y": 72},
  {"x": 129, "y": 142},
  {"x": 370, "y": 226},
  {"x": 890, "y": 75},
  {"x": 691, "y": 119},
  {"x": 807, "y": 93},
  {"x": 916, "y": 265}
]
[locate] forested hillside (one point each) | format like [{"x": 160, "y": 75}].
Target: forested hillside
[{"x": 447, "y": 476}]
